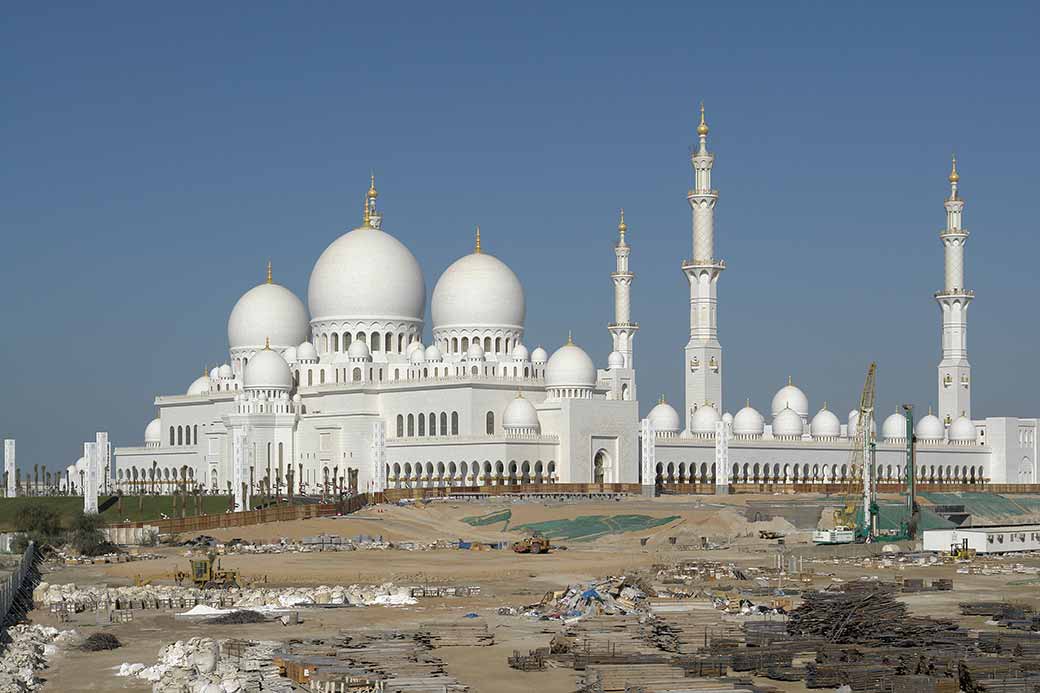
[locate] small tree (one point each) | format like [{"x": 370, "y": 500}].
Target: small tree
[
  {"x": 85, "y": 534},
  {"x": 37, "y": 522}
]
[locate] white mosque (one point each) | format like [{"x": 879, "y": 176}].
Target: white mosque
[{"x": 343, "y": 393}]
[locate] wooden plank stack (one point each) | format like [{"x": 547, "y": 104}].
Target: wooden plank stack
[{"x": 471, "y": 633}]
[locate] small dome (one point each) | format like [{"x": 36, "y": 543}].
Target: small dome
[
  {"x": 475, "y": 351},
  {"x": 306, "y": 352},
  {"x": 520, "y": 414},
  {"x": 962, "y": 430},
  {"x": 267, "y": 370},
  {"x": 825, "y": 424},
  {"x": 81, "y": 465},
  {"x": 433, "y": 354},
  {"x": 704, "y": 420},
  {"x": 153, "y": 431},
  {"x": 520, "y": 352},
  {"x": 200, "y": 386},
  {"x": 214, "y": 373},
  {"x": 664, "y": 417},
  {"x": 615, "y": 360},
  {"x": 226, "y": 372},
  {"x": 727, "y": 419},
  {"x": 787, "y": 423},
  {"x": 539, "y": 355},
  {"x": 570, "y": 366},
  {"x": 358, "y": 350},
  {"x": 748, "y": 422},
  {"x": 478, "y": 290},
  {"x": 854, "y": 424},
  {"x": 790, "y": 396},
  {"x": 417, "y": 357},
  {"x": 412, "y": 346},
  {"x": 930, "y": 428},
  {"x": 268, "y": 312},
  {"x": 893, "y": 427},
  {"x": 290, "y": 355}
]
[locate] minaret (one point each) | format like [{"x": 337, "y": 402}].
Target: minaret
[
  {"x": 623, "y": 330},
  {"x": 954, "y": 369},
  {"x": 703, "y": 364}
]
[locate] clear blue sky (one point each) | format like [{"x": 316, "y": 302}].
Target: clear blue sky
[{"x": 156, "y": 155}]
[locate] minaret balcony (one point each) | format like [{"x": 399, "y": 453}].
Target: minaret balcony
[
  {"x": 689, "y": 265},
  {"x": 955, "y": 293},
  {"x": 958, "y": 233},
  {"x": 623, "y": 326},
  {"x": 713, "y": 194}
]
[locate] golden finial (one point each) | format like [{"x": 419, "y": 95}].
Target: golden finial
[
  {"x": 622, "y": 227},
  {"x": 824, "y": 405},
  {"x": 660, "y": 400},
  {"x": 929, "y": 410},
  {"x": 269, "y": 275},
  {"x": 747, "y": 401},
  {"x": 267, "y": 343},
  {"x": 519, "y": 394},
  {"x": 476, "y": 246},
  {"x": 954, "y": 176},
  {"x": 205, "y": 369},
  {"x": 372, "y": 192},
  {"x": 702, "y": 129},
  {"x": 790, "y": 381},
  {"x": 570, "y": 340}
]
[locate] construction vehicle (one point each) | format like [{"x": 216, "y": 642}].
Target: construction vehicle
[
  {"x": 961, "y": 551},
  {"x": 535, "y": 544},
  {"x": 206, "y": 573}
]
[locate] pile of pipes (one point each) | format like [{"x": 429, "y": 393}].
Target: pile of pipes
[
  {"x": 26, "y": 653},
  {"x": 213, "y": 666},
  {"x": 869, "y": 617},
  {"x": 611, "y": 596}
]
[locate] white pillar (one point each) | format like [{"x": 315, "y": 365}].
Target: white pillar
[
  {"x": 954, "y": 368},
  {"x": 104, "y": 467},
  {"x": 239, "y": 472},
  {"x": 378, "y": 479},
  {"x": 722, "y": 435},
  {"x": 90, "y": 478},
  {"x": 648, "y": 440},
  {"x": 9, "y": 467}
]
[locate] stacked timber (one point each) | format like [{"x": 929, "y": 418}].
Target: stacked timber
[
  {"x": 455, "y": 634},
  {"x": 1010, "y": 642}
]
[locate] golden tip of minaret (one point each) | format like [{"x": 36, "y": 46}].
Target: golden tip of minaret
[
  {"x": 954, "y": 176},
  {"x": 372, "y": 192},
  {"x": 269, "y": 273},
  {"x": 476, "y": 245},
  {"x": 622, "y": 227},
  {"x": 702, "y": 129}
]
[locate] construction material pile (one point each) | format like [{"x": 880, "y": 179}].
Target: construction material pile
[
  {"x": 26, "y": 653},
  {"x": 868, "y": 617},
  {"x": 99, "y": 642},
  {"x": 610, "y": 596},
  {"x": 203, "y": 664}
]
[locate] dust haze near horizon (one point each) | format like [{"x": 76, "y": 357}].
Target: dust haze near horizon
[{"x": 156, "y": 158}]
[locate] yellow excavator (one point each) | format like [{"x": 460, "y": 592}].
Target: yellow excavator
[{"x": 204, "y": 573}]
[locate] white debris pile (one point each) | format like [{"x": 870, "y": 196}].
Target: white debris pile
[
  {"x": 89, "y": 596},
  {"x": 27, "y": 653},
  {"x": 387, "y": 594},
  {"x": 212, "y": 666}
]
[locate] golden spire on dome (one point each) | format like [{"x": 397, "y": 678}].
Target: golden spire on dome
[
  {"x": 570, "y": 339},
  {"x": 366, "y": 218},
  {"x": 476, "y": 245},
  {"x": 269, "y": 274},
  {"x": 954, "y": 176},
  {"x": 372, "y": 192},
  {"x": 660, "y": 400},
  {"x": 747, "y": 401},
  {"x": 824, "y": 405},
  {"x": 790, "y": 381},
  {"x": 702, "y": 129},
  {"x": 267, "y": 343}
]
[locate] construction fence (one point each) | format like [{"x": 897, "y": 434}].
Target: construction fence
[
  {"x": 12, "y": 582},
  {"x": 392, "y": 495}
]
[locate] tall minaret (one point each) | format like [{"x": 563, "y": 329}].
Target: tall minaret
[
  {"x": 954, "y": 369},
  {"x": 623, "y": 330},
  {"x": 703, "y": 352}
]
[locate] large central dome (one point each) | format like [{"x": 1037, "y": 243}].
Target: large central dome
[
  {"x": 367, "y": 274},
  {"x": 478, "y": 290}
]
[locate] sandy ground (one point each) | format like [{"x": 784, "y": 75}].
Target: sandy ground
[{"x": 505, "y": 578}]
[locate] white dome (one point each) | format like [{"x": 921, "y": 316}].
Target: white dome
[
  {"x": 825, "y": 424},
  {"x": 475, "y": 352},
  {"x": 748, "y": 422},
  {"x": 930, "y": 428},
  {"x": 200, "y": 386},
  {"x": 478, "y": 290},
  {"x": 615, "y": 360},
  {"x": 520, "y": 352},
  {"x": 225, "y": 371},
  {"x": 433, "y": 353},
  {"x": 570, "y": 366},
  {"x": 893, "y": 427},
  {"x": 306, "y": 352},
  {"x": 214, "y": 373},
  {"x": 962, "y": 430},
  {"x": 787, "y": 423},
  {"x": 854, "y": 424},
  {"x": 417, "y": 357},
  {"x": 153, "y": 431},
  {"x": 727, "y": 419},
  {"x": 367, "y": 273},
  {"x": 520, "y": 413},
  {"x": 704, "y": 420},
  {"x": 267, "y": 370},
  {"x": 790, "y": 396},
  {"x": 664, "y": 418},
  {"x": 539, "y": 355},
  {"x": 80, "y": 466},
  {"x": 267, "y": 312},
  {"x": 358, "y": 350},
  {"x": 290, "y": 355}
]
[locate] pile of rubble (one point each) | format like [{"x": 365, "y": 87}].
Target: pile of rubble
[
  {"x": 27, "y": 653},
  {"x": 212, "y": 666},
  {"x": 610, "y": 596}
]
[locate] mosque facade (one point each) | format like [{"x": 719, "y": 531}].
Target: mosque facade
[{"x": 343, "y": 394}]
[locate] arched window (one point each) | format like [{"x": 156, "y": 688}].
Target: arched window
[
  {"x": 180, "y": 436},
  {"x": 187, "y": 435},
  {"x": 411, "y": 425},
  {"x": 377, "y": 341},
  {"x": 444, "y": 424},
  {"x": 498, "y": 345},
  {"x": 487, "y": 344},
  {"x": 388, "y": 342},
  {"x": 465, "y": 343},
  {"x": 357, "y": 375},
  {"x": 489, "y": 423},
  {"x": 454, "y": 344},
  {"x": 346, "y": 341},
  {"x": 310, "y": 377},
  {"x": 474, "y": 370},
  {"x": 422, "y": 425},
  {"x": 360, "y": 336},
  {"x": 172, "y": 439},
  {"x": 195, "y": 434},
  {"x": 433, "y": 424},
  {"x": 335, "y": 341},
  {"x": 400, "y": 426},
  {"x": 324, "y": 343},
  {"x": 454, "y": 423},
  {"x": 321, "y": 375},
  {"x": 400, "y": 344}
]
